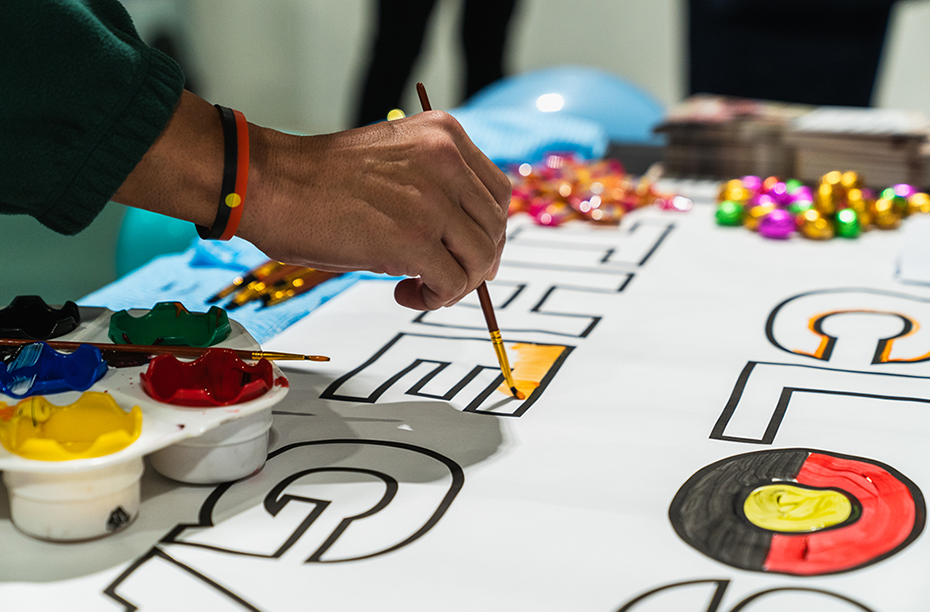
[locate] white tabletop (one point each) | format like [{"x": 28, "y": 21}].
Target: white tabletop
[{"x": 402, "y": 479}]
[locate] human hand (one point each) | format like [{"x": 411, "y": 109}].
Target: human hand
[{"x": 413, "y": 197}]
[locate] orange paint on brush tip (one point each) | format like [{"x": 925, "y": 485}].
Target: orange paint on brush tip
[{"x": 532, "y": 363}]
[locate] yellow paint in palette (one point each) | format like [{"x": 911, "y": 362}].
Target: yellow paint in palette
[
  {"x": 93, "y": 426},
  {"x": 532, "y": 364},
  {"x": 788, "y": 508}
]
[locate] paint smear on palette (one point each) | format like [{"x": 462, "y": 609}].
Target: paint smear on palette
[{"x": 530, "y": 364}]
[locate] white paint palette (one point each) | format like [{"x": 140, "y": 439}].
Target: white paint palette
[{"x": 233, "y": 438}]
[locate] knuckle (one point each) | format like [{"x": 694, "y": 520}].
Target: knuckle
[
  {"x": 502, "y": 190},
  {"x": 447, "y": 122},
  {"x": 442, "y": 148},
  {"x": 457, "y": 288}
]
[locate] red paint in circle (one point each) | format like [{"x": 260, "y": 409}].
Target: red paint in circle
[{"x": 887, "y": 520}]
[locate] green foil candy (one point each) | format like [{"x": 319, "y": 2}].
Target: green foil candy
[
  {"x": 901, "y": 205},
  {"x": 170, "y": 323},
  {"x": 729, "y": 213},
  {"x": 847, "y": 223},
  {"x": 799, "y": 206}
]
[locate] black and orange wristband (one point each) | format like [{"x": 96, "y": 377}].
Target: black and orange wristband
[{"x": 235, "y": 176}]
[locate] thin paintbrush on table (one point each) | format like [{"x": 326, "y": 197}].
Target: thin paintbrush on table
[{"x": 122, "y": 355}]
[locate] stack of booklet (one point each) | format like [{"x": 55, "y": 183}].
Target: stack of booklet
[{"x": 720, "y": 137}]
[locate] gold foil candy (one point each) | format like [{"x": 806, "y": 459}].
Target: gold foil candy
[
  {"x": 825, "y": 199},
  {"x": 832, "y": 178},
  {"x": 850, "y": 180},
  {"x": 755, "y": 214},
  {"x": 738, "y": 194},
  {"x": 733, "y": 184},
  {"x": 862, "y": 207},
  {"x": 814, "y": 225},
  {"x": 885, "y": 214},
  {"x": 919, "y": 203},
  {"x": 882, "y": 206},
  {"x": 734, "y": 190},
  {"x": 887, "y": 221}
]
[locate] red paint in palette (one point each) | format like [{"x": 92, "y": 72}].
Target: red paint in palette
[{"x": 217, "y": 378}]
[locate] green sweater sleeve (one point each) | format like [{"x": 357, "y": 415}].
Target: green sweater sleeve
[{"x": 82, "y": 99}]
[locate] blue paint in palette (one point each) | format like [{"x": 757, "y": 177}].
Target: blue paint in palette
[{"x": 39, "y": 369}]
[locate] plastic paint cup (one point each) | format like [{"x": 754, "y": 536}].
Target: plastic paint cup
[
  {"x": 72, "y": 506},
  {"x": 232, "y": 451}
]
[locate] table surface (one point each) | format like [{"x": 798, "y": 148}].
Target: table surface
[{"x": 401, "y": 477}]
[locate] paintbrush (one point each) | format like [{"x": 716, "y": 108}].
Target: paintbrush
[
  {"x": 240, "y": 282},
  {"x": 297, "y": 286},
  {"x": 136, "y": 354},
  {"x": 256, "y": 289},
  {"x": 485, "y": 299}
]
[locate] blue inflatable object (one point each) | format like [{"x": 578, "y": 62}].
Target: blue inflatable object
[
  {"x": 145, "y": 235},
  {"x": 627, "y": 113},
  {"x": 510, "y": 136}
]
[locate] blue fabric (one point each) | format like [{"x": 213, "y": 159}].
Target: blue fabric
[{"x": 200, "y": 272}]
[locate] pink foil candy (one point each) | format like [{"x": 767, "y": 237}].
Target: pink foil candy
[
  {"x": 752, "y": 183},
  {"x": 778, "y": 224},
  {"x": 779, "y": 193},
  {"x": 762, "y": 199}
]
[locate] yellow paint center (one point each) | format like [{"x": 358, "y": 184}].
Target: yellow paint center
[{"x": 788, "y": 508}]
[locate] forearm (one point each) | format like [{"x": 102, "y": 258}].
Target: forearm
[
  {"x": 181, "y": 174},
  {"x": 409, "y": 198}
]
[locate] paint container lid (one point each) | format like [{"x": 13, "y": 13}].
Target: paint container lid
[
  {"x": 229, "y": 452},
  {"x": 75, "y": 506}
]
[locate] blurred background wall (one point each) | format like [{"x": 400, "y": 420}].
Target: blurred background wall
[{"x": 297, "y": 65}]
